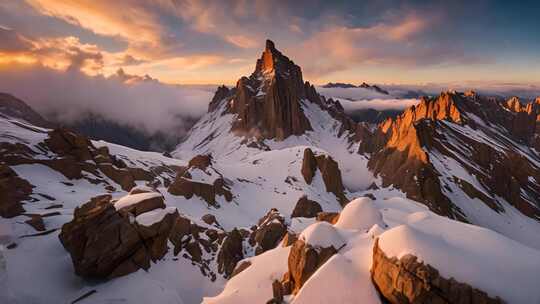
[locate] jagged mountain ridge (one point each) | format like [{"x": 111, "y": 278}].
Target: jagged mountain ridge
[
  {"x": 466, "y": 156},
  {"x": 363, "y": 85},
  {"x": 251, "y": 187}
]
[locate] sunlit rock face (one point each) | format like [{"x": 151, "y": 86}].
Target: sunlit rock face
[
  {"x": 268, "y": 102},
  {"x": 493, "y": 141}
]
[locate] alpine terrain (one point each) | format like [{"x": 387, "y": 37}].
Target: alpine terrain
[{"x": 277, "y": 195}]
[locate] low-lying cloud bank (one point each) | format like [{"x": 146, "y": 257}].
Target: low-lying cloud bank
[
  {"x": 70, "y": 95},
  {"x": 378, "y": 104},
  {"x": 354, "y": 99}
]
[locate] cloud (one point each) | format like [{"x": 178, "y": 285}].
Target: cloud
[
  {"x": 377, "y": 104},
  {"x": 128, "y": 20},
  {"x": 360, "y": 98},
  {"x": 242, "y": 41},
  {"x": 70, "y": 95},
  {"x": 351, "y": 93},
  {"x": 11, "y": 41}
]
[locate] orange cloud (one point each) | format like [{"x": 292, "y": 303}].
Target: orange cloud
[
  {"x": 242, "y": 41},
  {"x": 110, "y": 18}
]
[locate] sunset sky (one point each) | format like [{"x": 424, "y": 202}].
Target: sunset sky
[{"x": 209, "y": 42}]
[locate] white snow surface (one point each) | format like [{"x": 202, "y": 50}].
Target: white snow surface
[
  {"x": 360, "y": 214},
  {"x": 151, "y": 217},
  {"x": 478, "y": 256},
  {"x": 133, "y": 199},
  {"x": 255, "y": 285},
  {"x": 322, "y": 235}
]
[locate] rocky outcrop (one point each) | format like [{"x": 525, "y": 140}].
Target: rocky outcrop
[
  {"x": 13, "y": 191},
  {"x": 269, "y": 231},
  {"x": 306, "y": 208},
  {"x": 75, "y": 157},
  {"x": 104, "y": 242},
  {"x": 330, "y": 217},
  {"x": 213, "y": 184},
  {"x": 329, "y": 170},
  {"x": 303, "y": 261},
  {"x": 222, "y": 92},
  {"x": 231, "y": 252},
  {"x": 406, "y": 280}
]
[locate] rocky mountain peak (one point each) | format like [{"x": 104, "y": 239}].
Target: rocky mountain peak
[
  {"x": 268, "y": 102},
  {"x": 274, "y": 64}
]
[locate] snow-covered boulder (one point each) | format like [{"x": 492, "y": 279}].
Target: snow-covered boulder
[
  {"x": 108, "y": 239},
  {"x": 360, "y": 214},
  {"x": 490, "y": 264},
  {"x": 322, "y": 235},
  {"x": 139, "y": 203},
  {"x": 316, "y": 244}
]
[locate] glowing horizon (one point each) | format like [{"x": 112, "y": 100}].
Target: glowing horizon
[{"x": 199, "y": 42}]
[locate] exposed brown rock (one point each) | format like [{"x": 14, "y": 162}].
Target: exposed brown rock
[
  {"x": 330, "y": 217},
  {"x": 183, "y": 184},
  {"x": 408, "y": 281},
  {"x": 200, "y": 161},
  {"x": 13, "y": 190},
  {"x": 222, "y": 92},
  {"x": 71, "y": 154},
  {"x": 241, "y": 267},
  {"x": 64, "y": 142},
  {"x": 209, "y": 219},
  {"x": 277, "y": 293},
  {"x": 105, "y": 243},
  {"x": 144, "y": 205},
  {"x": 277, "y": 112},
  {"x": 309, "y": 165},
  {"x": 289, "y": 239},
  {"x": 329, "y": 170},
  {"x": 270, "y": 230},
  {"x": 36, "y": 221},
  {"x": 303, "y": 261},
  {"x": 306, "y": 208},
  {"x": 230, "y": 253}
]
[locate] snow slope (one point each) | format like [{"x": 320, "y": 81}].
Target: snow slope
[{"x": 471, "y": 254}]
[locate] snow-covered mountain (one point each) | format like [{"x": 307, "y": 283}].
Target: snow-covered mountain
[{"x": 277, "y": 196}]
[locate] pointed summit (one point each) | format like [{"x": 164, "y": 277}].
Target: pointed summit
[
  {"x": 268, "y": 102},
  {"x": 270, "y": 45}
]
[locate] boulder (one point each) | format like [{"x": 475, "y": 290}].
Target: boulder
[
  {"x": 209, "y": 219},
  {"x": 231, "y": 252},
  {"x": 241, "y": 267},
  {"x": 270, "y": 230},
  {"x": 105, "y": 243},
  {"x": 330, "y": 217},
  {"x": 306, "y": 208},
  {"x": 406, "y": 280},
  {"x": 304, "y": 259},
  {"x": 13, "y": 190},
  {"x": 184, "y": 185},
  {"x": 145, "y": 202},
  {"x": 309, "y": 165},
  {"x": 201, "y": 161}
]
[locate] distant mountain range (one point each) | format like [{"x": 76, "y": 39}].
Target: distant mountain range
[{"x": 348, "y": 85}]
